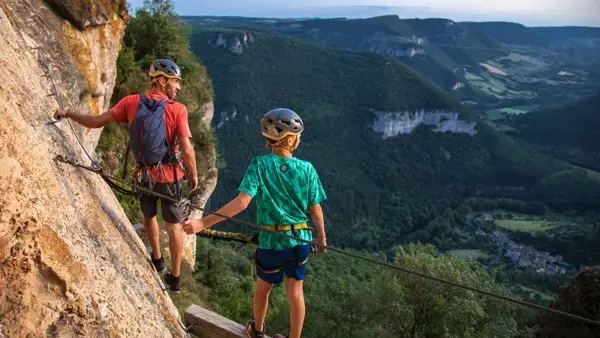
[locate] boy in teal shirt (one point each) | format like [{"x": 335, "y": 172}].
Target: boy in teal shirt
[{"x": 288, "y": 194}]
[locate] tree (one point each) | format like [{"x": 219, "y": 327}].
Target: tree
[{"x": 412, "y": 307}]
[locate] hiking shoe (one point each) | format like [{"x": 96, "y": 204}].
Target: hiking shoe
[
  {"x": 173, "y": 282},
  {"x": 277, "y": 335},
  {"x": 251, "y": 330},
  {"x": 159, "y": 264}
]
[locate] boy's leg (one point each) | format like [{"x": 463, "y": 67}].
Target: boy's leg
[
  {"x": 295, "y": 269},
  {"x": 295, "y": 294},
  {"x": 269, "y": 263},
  {"x": 261, "y": 302}
]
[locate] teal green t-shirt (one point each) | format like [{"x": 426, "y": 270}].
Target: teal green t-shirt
[{"x": 284, "y": 189}]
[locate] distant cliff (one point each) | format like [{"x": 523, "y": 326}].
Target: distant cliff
[{"x": 392, "y": 124}]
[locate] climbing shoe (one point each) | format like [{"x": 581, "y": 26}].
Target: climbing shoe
[
  {"x": 251, "y": 330},
  {"x": 173, "y": 282},
  {"x": 159, "y": 264}
]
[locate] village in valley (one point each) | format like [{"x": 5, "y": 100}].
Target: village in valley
[
  {"x": 518, "y": 255},
  {"x": 523, "y": 256}
]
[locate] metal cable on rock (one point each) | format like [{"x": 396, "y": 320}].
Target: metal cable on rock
[
  {"x": 343, "y": 252},
  {"x": 60, "y": 106}
]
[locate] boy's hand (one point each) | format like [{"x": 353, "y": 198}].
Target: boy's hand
[
  {"x": 193, "y": 226},
  {"x": 321, "y": 240}
]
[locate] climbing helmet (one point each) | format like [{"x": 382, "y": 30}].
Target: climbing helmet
[
  {"x": 165, "y": 68},
  {"x": 281, "y": 122}
]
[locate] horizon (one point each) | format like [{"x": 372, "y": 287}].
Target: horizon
[{"x": 533, "y": 13}]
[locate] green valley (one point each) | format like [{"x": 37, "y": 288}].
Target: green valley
[
  {"x": 488, "y": 65},
  {"x": 409, "y": 181}
]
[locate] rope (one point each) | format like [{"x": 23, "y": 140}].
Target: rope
[
  {"x": 343, "y": 252},
  {"x": 227, "y": 236},
  {"x": 60, "y": 106}
]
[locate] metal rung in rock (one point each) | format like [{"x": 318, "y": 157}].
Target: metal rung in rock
[{"x": 209, "y": 324}]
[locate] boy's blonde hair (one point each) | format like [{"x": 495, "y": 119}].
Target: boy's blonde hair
[{"x": 283, "y": 143}]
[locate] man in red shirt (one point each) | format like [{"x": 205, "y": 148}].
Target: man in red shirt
[{"x": 165, "y": 78}]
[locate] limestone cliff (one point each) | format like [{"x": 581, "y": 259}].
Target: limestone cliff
[
  {"x": 392, "y": 124},
  {"x": 71, "y": 264}
]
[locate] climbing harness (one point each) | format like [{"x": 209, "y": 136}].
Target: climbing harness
[
  {"x": 347, "y": 253},
  {"x": 276, "y": 270},
  {"x": 286, "y": 227}
]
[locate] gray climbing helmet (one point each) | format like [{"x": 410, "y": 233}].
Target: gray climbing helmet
[
  {"x": 281, "y": 122},
  {"x": 166, "y": 68}
]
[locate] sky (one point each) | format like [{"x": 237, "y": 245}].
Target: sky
[{"x": 527, "y": 12}]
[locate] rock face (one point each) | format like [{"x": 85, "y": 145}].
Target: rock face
[
  {"x": 234, "y": 43},
  {"x": 580, "y": 297},
  {"x": 71, "y": 264},
  {"x": 85, "y": 13}
]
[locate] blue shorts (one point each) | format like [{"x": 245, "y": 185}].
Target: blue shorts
[{"x": 271, "y": 263}]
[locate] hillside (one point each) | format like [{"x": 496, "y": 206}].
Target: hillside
[
  {"x": 419, "y": 155},
  {"x": 491, "y": 66},
  {"x": 571, "y": 130},
  {"x": 576, "y": 125},
  {"x": 509, "y": 33}
]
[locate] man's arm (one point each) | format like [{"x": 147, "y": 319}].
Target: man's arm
[
  {"x": 189, "y": 160},
  {"x": 234, "y": 207},
  {"x": 86, "y": 120},
  {"x": 316, "y": 215}
]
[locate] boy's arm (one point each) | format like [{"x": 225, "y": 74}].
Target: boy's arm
[
  {"x": 247, "y": 190},
  {"x": 237, "y": 205},
  {"x": 316, "y": 215}
]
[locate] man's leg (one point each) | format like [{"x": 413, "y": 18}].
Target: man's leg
[
  {"x": 261, "y": 302},
  {"x": 175, "y": 246},
  {"x": 149, "y": 208},
  {"x": 295, "y": 294},
  {"x": 151, "y": 229}
]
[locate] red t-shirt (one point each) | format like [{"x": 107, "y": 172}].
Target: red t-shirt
[{"x": 176, "y": 123}]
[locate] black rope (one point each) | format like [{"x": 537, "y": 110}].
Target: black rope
[{"x": 340, "y": 251}]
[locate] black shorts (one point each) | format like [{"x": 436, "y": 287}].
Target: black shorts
[{"x": 149, "y": 203}]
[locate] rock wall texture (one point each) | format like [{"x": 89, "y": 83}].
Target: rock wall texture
[
  {"x": 580, "y": 297},
  {"x": 71, "y": 264}
]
